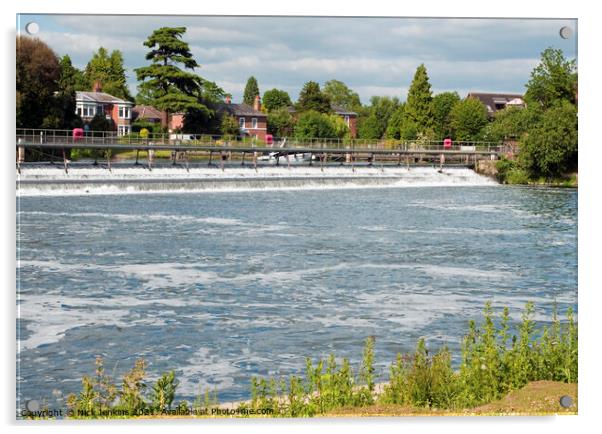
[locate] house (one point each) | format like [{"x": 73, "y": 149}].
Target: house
[
  {"x": 147, "y": 113},
  {"x": 348, "y": 116},
  {"x": 153, "y": 115},
  {"x": 251, "y": 120},
  {"x": 89, "y": 104},
  {"x": 498, "y": 101}
]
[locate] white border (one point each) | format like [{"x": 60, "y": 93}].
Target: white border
[{"x": 589, "y": 198}]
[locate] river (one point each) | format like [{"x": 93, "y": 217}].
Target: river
[{"x": 221, "y": 286}]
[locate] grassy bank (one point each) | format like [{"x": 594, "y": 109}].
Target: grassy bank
[
  {"x": 509, "y": 172},
  {"x": 498, "y": 359}
]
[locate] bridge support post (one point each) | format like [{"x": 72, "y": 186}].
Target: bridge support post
[
  {"x": 210, "y": 158},
  {"x": 108, "y": 151},
  {"x": 186, "y": 156},
  {"x": 441, "y": 161},
  {"x": 221, "y": 160},
  {"x": 255, "y": 161},
  {"x": 288, "y": 162},
  {"x": 64, "y": 159},
  {"x": 243, "y": 159}
]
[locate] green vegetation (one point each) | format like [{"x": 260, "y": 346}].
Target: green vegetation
[
  {"x": 251, "y": 91},
  {"x": 312, "y": 98},
  {"x": 168, "y": 87},
  {"x": 340, "y": 95},
  {"x": 312, "y": 124},
  {"x": 498, "y": 357},
  {"x": 468, "y": 118},
  {"x": 280, "y": 122},
  {"x": 108, "y": 70},
  {"x": 275, "y": 99}
]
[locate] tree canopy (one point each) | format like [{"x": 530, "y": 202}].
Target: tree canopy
[
  {"x": 442, "y": 106},
  {"x": 275, "y": 98},
  {"x": 109, "y": 71},
  {"x": 550, "y": 148},
  {"x": 37, "y": 76},
  {"x": 313, "y": 124},
  {"x": 418, "y": 108},
  {"x": 553, "y": 80},
  {"x": 312, "y": 98},
  {"x": 280, "y": 122},
  {"x": 167, "y": 86},
  {"x": 251, "y": 91},
  {"x": 468, "y": 117},
  {"x": 340, "y": 95}
]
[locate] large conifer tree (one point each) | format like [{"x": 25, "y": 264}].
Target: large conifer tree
[
  {"x": 418, "y": 108},
  {"x": 166, "y": 85}
]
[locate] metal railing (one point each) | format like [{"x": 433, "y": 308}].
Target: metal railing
[{"x": 99, "y": 139}]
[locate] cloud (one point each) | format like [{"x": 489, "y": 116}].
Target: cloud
[{"x": 376, "y": 56}]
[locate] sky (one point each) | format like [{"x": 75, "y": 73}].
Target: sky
[{"x": 373, "y": 56}]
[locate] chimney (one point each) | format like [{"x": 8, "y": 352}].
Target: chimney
[
  {"x": 257, "y": 103},
  {"x": 97, "y": 86},
  {"x": 228, "y": 99}
]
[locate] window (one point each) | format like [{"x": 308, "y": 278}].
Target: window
[
  {"x": 241, "y": 122},
  {"x": 254, "y": 123},
  {"x": 124, "y": 112},
  {"x": 79, "y": 111},
  {"x": 347, "y": 120},
  {"x": 123, "y": 129},
  {"x": 88, "y": 110}
]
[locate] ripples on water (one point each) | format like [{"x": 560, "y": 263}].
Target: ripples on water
[{"x": 225, "y": 286}]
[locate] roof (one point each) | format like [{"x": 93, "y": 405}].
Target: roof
[
  {"x": 491, "y": 99},
  {"x": 240, "y": 110},
  {"x": 146, "y": 112},
  {"x": 99, "y": 97},
  {"x": 342, "y": 111}
]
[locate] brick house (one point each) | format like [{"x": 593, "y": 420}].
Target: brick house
[
  {"x": 498, "y": 101},
  {"x": 251, "y": 120},
  {"x": 89, "y": 104},
  {"x": 153, "y": 115}
]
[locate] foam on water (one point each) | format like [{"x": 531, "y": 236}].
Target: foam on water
[{"x": 86, "y": 181}]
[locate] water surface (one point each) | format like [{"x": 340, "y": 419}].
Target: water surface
[{"x": 224, "y": 286}]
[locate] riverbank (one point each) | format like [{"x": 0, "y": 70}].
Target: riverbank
[
  {"x": 537, "y": 398},
  {"x": 507, "y": 172}
]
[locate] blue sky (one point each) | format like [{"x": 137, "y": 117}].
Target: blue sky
[{"x": 373, "y": 56}]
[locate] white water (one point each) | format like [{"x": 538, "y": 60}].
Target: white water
[{"x": 83, "y": 181}]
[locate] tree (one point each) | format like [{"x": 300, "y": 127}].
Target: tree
[
  {"x": 251, "y": 91},
  {"x": 380, "y": 111},
  {"x": 229, "y": 126},
  {"x": 553, "y": 80},
  {"x": 37, "y": 75},
  {"x": 340, "y": 127},
  {"x": 312, "y": 98},
  {"x": 313, "y": 124},
  {"x": 100, "y": 123},
  {"x": 280, "y": 122},
  {"x": 550, "y": 148},
  {"x": 71, "y": 78},
  {"x": 395, "y": 123},
  {"x": 340, "y": 95},
  {"x": 369, "y": 128},
  {"x": 108, "y": 70},
  {"x": 418, "y": 107},
  {"x": 468, "y": 117},
  {"x": 167, "y": 86},
  {"x": 275, "y": 98},
  {"x": 442, "y": 106},
  {"x": 513, "y": 122}
]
